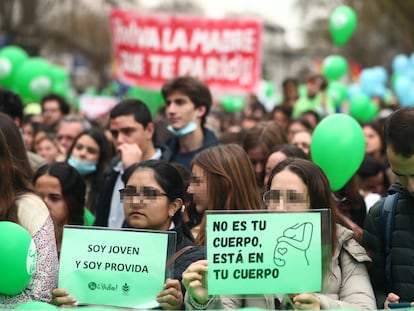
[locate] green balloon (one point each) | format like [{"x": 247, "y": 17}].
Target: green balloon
[
  {"x": 11, "y": 58},
  {"x": 342, "y": 24},
  {"x": 61, "y": 89},
  {"x": 36, "y": 305},
  {"x": 334, "y": 67},
  {"x": 34, "y": 79},
  {"x": 362, "y": 108},
  {"x": 232, "y": 103},
  {"x": 59, "y": 74},
  {"x": 153, "y": 99},
  {"x": 337, "y": 92},
  {"x": 18, "y": 258},
  {"x": 338, "y": 147}
]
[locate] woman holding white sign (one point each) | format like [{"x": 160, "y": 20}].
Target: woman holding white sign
[{"x": 297, "y": 184}]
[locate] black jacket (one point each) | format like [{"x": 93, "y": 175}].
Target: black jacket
[
  {"x": 173, "y": 144},
  {"x": 402, "y": 251},
  {"x": 103, "y": 200},
  {"x": 188, "y": 257}
]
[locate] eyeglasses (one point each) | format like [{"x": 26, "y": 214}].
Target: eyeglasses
[
  {"x": 289, "y": 196},
  {"x": 148, "y": 194}
]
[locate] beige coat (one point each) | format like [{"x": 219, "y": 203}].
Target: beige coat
[{"x": 347, "y": 286}]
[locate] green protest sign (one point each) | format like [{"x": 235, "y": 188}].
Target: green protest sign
[
  {"x": 123, "y": 268},
  {"x": 264, "y": 253}
]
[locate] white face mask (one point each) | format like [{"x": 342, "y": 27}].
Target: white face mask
[
  {"x": 82, "y": 166},
  {"x": 189, "y": 128}
]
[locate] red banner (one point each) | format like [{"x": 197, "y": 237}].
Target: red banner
[{"x": 149, "y": 49}]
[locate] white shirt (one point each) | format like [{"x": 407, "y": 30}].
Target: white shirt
[{"x": 116, "y": 212}]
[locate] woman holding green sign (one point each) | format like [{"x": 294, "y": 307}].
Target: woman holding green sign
[
  {"x": 297, "y": 184},
  {"x": 153, "y": 199}
]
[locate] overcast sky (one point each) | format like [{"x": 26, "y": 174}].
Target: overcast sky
[{"x": 282, "y": 12}]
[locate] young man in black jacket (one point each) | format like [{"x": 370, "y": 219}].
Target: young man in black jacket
[
  {"x": 390, "y": 239},
  {"x": 133, "y": 130},
  {"x": 188, "y": 102}
]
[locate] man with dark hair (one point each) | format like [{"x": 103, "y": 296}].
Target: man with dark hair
[
  {"x": 389, "y": 231},
  {"x": 12, "y": 105},
  {"x": 133, "y": 130},
  {"x": 54, "y": 108},
  {"x": 188, "y": 102}
]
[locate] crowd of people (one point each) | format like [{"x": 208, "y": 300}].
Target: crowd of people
[{"x": 163, "y": 173}]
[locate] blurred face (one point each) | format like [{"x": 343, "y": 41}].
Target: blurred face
[
  {"x": 257, "y": 156},
  {"x": 146, "y": 205},
  {"x": 49, "y": 188},
  {"x": 291, "y": 91},
  {"x": 86, "y": 148},
  {"x": 374, "y": 184},
  {"x": 67, "y": 132},
  {"x": 180, "y": 110},
  {"x": 302, "y": 140},
  {"x": 47, "y": 149},
  {"x": 403, "y": 168},
  {"x": 372, "y": 139},
  {"x": 125, "y": 130},
  {"x": 313, "y": 87},
  {"x": 274, "y": 159},
  {"x": 198, "y": 188},
  {"x": 295, "y": 127},
  {"x": 280, "y": 118},
  {"x": 28, "y": 136},
  {"x": 287, "y": 193},
  {"x": 51, "y": 112}
]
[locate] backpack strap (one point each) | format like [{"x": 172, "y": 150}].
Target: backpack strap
[
  {"x": 172, "y": 259},
  {"x": 387, "y": 225}
]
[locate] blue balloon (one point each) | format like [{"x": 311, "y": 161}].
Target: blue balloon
[
  {"x": 379, "y": 90},
  {"x": 409, "y": 71},
  {"x": 373, "y": 81},
  {"x": 354, "y": 89},
  {"x": 404, "y": 89},
  {"x": 399, "y": 63},
  {"x": 381, "y": 74}
]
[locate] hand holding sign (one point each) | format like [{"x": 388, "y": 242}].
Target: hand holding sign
[
  {"x": 61, "y": 298},
  {"x": 195, "y": 281},
  {"x": 171, "y": 298},
  {"x": 306, "y": 301}
]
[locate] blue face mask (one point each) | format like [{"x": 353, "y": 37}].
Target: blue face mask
[
  {"x": 82, "y": 166},
  {"x": 189, "y": 128}
]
